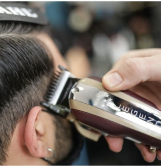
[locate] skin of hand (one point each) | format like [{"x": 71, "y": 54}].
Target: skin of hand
[{"x": 139, "y": 71}]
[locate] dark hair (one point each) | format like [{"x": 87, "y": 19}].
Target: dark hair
[{"x": 25, "y": 73}]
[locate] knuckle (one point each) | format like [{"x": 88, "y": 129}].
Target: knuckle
[
  {"x": 133, "y": 65},
  {"x": 136, "y": 66}
]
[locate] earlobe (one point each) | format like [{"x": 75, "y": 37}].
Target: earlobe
[{"x": 34, "y": 131}]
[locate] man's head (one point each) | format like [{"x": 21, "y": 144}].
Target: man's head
[{"x": 26, "y": 69}]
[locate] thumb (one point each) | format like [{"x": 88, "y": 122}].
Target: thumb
[{"x": 130, "y": 72}]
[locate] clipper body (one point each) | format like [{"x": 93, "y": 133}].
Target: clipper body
[
  {"x": 116, "y": 113},
  {"x": 96, "y": 111}
]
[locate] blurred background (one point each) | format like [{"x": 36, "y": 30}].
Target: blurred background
[
  {"x": 92, "y": 36},
  {"x": 103, "y": 30}
]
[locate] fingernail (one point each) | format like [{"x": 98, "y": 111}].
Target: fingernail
[
  {"x": 158, "y": 158},
  {"x": 113, "y": 79}
]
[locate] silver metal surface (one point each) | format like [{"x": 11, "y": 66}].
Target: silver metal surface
[
  {"x": 146, "y": 120},
  {"x": 153, "y": 149},
  {"x": 132, "y": 139},
  {"x": 52, "y": 155},
  {"x": 64, "y": 77}
]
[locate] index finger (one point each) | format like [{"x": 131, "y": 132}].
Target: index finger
[
  {"x": 130, "y": 72},
  {"x": 142, "y": 53}
]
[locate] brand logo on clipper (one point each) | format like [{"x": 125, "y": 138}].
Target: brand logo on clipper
[
  {"x": 18, "y": 11},
  {"x": 104, "y": 100},
  {"x": 141, "y": 115}
]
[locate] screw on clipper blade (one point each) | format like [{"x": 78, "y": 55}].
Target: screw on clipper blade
[
  {"x": 57, "y": 109},
  {"x": 62, "y": 68}
]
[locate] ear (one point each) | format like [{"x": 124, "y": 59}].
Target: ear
[{"x": 34, "y": 132}]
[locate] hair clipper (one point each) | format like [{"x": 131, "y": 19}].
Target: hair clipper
[{"x": 96, "y": 111}]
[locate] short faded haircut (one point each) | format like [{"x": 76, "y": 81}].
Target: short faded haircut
[{"x": 25, "y": 73}]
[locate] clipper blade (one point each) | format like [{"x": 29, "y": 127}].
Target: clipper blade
[
  {"x": 60, "y": 87},
  {"x": 53, "y": 86}
]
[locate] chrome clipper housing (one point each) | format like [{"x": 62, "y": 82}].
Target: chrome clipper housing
[{"x": 116, "y": 113}]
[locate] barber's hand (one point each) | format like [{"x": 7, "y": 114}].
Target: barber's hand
[{"x": 139, "y": 71}]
